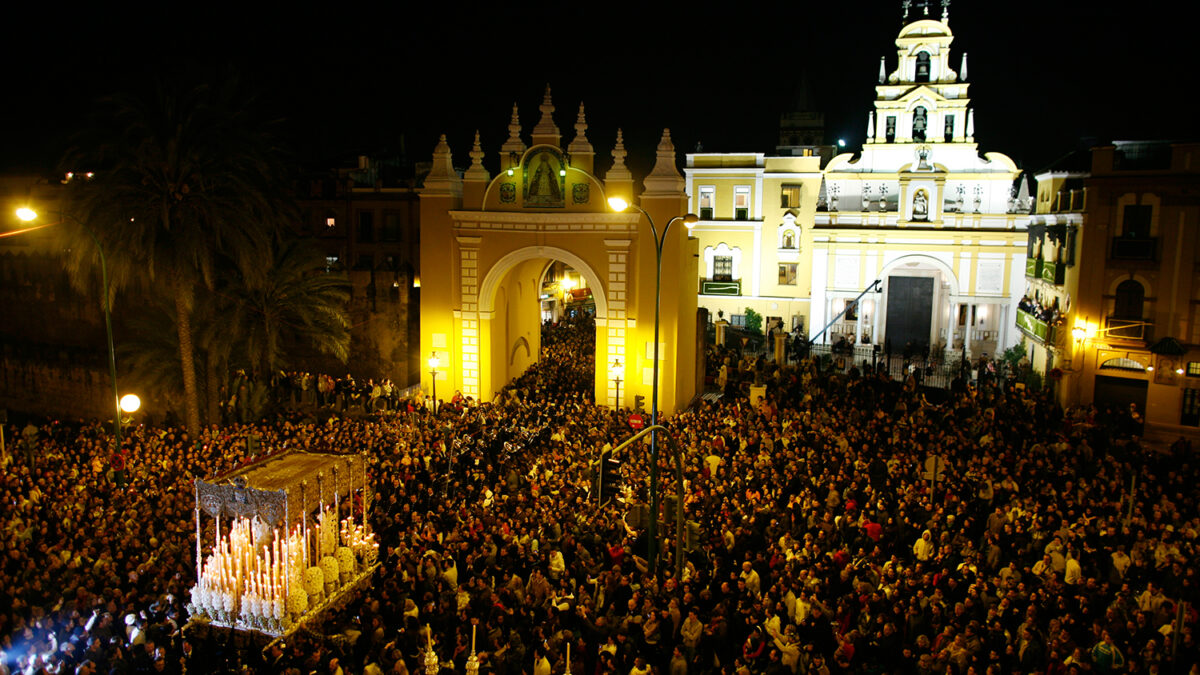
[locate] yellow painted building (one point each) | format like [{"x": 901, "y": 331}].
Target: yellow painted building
[
  {"x": 488, "y": 242},
  {"x": 918, "y": 208},
  {"x": 1113, "y": 246}
]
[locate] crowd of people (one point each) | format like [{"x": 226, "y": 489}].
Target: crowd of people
[
  {"x": 845, "y": 524},
  {"x": 1046, "y": 313}
]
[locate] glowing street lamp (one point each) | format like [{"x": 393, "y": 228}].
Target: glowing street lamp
[
  {"x": 130, "y": 403},
  {"x": 434, "y": 362},
  {"x": 29, "y": 215},
  {"x": 689, "y": 220}
]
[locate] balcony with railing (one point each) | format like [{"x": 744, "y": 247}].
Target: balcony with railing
[
  {"x": 1033, "y": 268},
  {"x": 1035, "y": 328},
  {"x": 715, "y": 287},
  {"x": 1120, "y": 328},
  {"x": 1135, "y": 248},
  {"x": 1053, "y": 272}
]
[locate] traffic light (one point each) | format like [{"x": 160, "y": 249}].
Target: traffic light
[
  {"x": 610, "y": 479},
  {"x": 639, "y": 516},
  {"x": 693, "y": 535},
  {"x": 639, "y": 401}
]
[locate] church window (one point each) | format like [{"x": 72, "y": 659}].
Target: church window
[
  {"x": 789, "y": 239},
  {"x": 741, "y": 203},
  {"x": 708, "y": 197},
  {"x": 787, "y": 274},
  {"x": 1129, "y": 299},
  {"x": 920, "y": 122},
  {"x": 891, "y": 128},
  {"x": 949, "y": 128},
  {"x": 1137, "y": 221},
  {"x": 723, "y": 268},
  {"x": 366, "y": 226},
  {"x": 391, "y": 227},
  {"x": 790, "y": 197},
  {"x": 922, "y": 67}
]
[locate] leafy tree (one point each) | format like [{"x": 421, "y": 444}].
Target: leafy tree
[
  {"x": 754, "y": 321},
  {"x": 182, "y": 178}
]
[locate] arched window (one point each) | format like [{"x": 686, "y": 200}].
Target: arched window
[
  {"x": 789, "y": 239},
  {"x": 1129, "y": 300},
  {"x": 922, "y": 67},
  {"x": 920, "y": 122}
]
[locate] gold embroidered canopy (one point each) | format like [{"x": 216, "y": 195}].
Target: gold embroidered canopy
[{"x": 278, "y": 489}]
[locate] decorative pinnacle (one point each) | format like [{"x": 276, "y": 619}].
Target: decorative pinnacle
[
  {"x": 514, "y": 142},
  {"x": 618, "y": 170},
  {"x": 546, "y": 126},
  {"x": 581, "y": 124},
  {"x": 477, "y": 172}
]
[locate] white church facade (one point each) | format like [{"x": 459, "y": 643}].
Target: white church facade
[{"x": 932, "y": 229}]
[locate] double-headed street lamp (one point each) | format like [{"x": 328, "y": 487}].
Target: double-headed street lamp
[
  {"x": 434, "y": 362},
  {"x": 690, "y": 219},
  {"x": 129, "y": 403}
]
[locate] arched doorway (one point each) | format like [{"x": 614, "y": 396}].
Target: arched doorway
[
  {"x": 919, "y": 294},
  {"x": 512, "y": 309},
  {"x": 486, "y": 243}
]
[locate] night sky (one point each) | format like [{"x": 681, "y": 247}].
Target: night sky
[{"x": 1043, "y": 74}]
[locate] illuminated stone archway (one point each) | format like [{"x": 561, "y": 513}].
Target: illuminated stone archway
[
  {"x": 486, "y": 241},
  {"x": 509, "y": 316}
]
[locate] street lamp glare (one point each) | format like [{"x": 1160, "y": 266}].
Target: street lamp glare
[
  {"x": 690, "y": 220},
  {"x": 26, "y": 214},
  {"x": 130, "y": 403},
  {"x": 1078, "y": 333},
  {"x": 617, "y": 204},
  {"x": 434, "y": 361}
]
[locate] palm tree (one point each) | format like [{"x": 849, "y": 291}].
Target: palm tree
[
  {"x": 293, "y": 301},
  {"x": 251, "y": 324},
  {"x": 181, "y": 178}
]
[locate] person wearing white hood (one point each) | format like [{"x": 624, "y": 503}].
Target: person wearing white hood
[{"x": 923, "y": 548}]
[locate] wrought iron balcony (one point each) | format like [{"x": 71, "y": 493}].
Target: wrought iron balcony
[
  {"x": 1035, "y": 327},
  {"x": 1129, "y": 329},
  {"x": 1134, "y": 248},
  {"x": 1033, "y": 268},
  {"x": 712, "y": 287}
]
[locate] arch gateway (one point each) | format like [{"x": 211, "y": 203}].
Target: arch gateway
[{"x": 486, "y": 243}]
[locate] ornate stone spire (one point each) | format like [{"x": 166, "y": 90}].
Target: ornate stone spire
[
  {"x": 664, "y": 178},
  {"x": 514, "y": 144},
  {"x": 546, "y": 133},
  {"x": 882, "y": 69},
  {"x": 442, "y": 178},
  {"x": 618, "y": 170},
  {"x": 580, "y": 142},
  {"x": 962, "y": 69},
  {"x": 477, "y": 172},
  {"x": 945, "y": 11},
  {"x": 582, "y": 153}
]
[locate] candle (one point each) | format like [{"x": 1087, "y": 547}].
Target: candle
[{"x": 429, "y": 636}]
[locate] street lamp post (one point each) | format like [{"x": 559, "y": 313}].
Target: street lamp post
[
  {"x": 690, "y": 219},
  {"x": 616, "y": 377},
  {"x": 29, "y": 215},
  {"x": 433, "y": 366}
]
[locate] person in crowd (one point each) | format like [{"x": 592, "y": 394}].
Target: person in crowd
[{"x": 820, "y": 546}]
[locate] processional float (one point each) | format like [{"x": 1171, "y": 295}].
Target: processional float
[{"x": 281, "y": 555}]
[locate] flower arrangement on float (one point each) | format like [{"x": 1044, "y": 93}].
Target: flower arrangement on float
[{"x": 258, "y": 578}]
